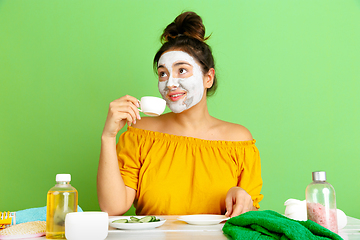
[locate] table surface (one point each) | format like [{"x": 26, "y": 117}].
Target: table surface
[{"x": 175, "y": 229}]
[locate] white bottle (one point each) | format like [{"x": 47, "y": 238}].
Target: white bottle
[{"x": 321, "y": 202}]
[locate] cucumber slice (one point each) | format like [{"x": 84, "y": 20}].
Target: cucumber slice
[
  {"x": 134, "y": 219},
  {"x": 120, "y": 221},
  {"x": 154, "y": 219},
  {"x": 146, "y": 219}
]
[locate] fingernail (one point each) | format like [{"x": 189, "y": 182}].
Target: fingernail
[
  {"x": 138, "y": 117},
  {"x": 137, "y": 104}
]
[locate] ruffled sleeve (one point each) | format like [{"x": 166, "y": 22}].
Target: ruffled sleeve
[
  {"x": 129, "y": 158},
  {"x": 250, "y": 173}
]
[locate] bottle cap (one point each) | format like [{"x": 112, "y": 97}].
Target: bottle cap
[
  {"x": 63, "y": 177},
  {"x": 319, "y": 176}
]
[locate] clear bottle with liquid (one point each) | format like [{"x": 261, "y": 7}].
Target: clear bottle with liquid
[
  {"x": 61, "y": 199},
  {"x": 321, "y": 202}
]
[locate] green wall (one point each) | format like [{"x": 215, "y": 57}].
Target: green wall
[{"x": 288, "y": 70}]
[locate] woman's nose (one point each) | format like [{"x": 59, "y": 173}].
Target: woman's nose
[
  {"x": 172, "y": 83},
  {"x": 171, "y": 88}
]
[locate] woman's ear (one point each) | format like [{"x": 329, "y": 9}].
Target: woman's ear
[{"x": 209, "y": 78}]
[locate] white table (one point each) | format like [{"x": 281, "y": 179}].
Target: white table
[
  {"x": 351, "y": 230},
  {"x": 172, "y": 229},
  {"x": 175, "y": 229}
]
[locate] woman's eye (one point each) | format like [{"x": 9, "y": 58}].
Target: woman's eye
[
  {"x": 162, "y": 74},
  {"x": 182, "y": 71}
]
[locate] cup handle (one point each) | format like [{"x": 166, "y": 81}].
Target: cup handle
[{"x": 139, "y": 106}]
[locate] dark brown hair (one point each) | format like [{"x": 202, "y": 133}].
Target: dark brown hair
[{"x": 187, "y": 33}]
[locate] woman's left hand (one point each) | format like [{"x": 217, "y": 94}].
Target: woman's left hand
[{"x": 238, "y": 201}]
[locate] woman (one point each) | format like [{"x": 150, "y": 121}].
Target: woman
[{"x": 185, "y": 161}]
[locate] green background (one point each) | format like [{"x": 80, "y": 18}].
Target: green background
[{"x": 288, "y": 70}]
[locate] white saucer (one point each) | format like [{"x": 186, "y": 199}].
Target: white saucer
[
  {"x": 203, "y": 219},
  {"x": 135, "y": 226}
]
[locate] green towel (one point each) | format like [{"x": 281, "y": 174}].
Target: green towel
[
  {"x": 33, "y": 214},
  {"x": 272, "y": 225}
]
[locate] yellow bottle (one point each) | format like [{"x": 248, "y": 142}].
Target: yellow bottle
[{"x": 61, "y": 199}]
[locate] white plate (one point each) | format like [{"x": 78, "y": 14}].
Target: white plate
[
  {"x": 135, "y": 226},
  {"x": 203, "y": 219}
]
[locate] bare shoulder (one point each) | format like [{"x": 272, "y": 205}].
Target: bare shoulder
[
  {"x": 150, "y": 123},
  {"x": 233, "y": 131}
]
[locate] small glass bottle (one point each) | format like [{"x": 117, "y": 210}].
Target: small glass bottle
[
  {"x": 61, "y": 199},
  {"x": 321, "y": 202}
]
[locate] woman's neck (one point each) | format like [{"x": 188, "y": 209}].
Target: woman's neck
[{"x": 195, "y": 119}]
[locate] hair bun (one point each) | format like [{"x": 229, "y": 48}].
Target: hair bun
[{"x": 189, "y": 24}]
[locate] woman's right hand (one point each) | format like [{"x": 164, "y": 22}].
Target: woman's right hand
[{"x": 122, "y": 110}]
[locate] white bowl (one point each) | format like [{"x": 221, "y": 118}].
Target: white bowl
[{"x": 86, "y": 225}]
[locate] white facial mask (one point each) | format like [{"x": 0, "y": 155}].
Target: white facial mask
[{"x": 193, "y": 85}]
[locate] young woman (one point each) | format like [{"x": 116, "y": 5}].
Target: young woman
[{"x": 185, "y": 161}]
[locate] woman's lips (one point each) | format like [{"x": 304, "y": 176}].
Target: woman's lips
[{"x": 175, "y": 96}]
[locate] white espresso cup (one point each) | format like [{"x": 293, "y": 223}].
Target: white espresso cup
[
  {"x": 152, "y": 106},
  {"x": 86, "y": 225}
]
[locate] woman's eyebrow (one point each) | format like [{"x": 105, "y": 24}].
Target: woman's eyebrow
[
  {"x": 175, "y": 64},
  {"x": 180, "y": 63}
]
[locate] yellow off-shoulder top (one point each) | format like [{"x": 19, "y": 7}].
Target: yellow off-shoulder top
[{"x": 177, "y": 175}]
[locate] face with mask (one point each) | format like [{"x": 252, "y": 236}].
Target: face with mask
[{"x": 180, "y": 80}]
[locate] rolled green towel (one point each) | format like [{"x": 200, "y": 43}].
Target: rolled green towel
[{"x": 272, "y": 225}]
